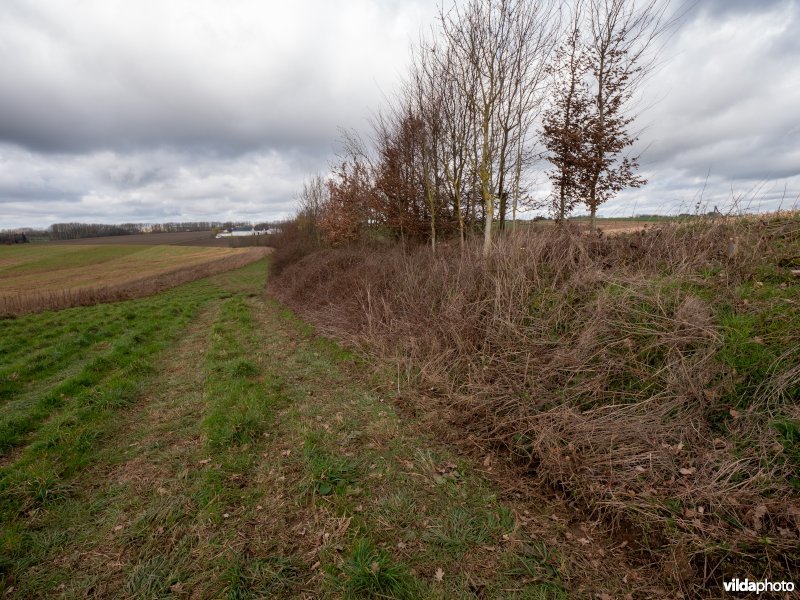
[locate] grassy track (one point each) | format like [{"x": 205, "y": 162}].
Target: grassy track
[{"x": 205, "y": 443}]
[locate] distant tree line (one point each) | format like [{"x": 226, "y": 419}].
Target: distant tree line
[
  {"x": 499, "y": 88},
  {"x": 13, "y": 237},
  {"x": 74, "y": 231}
]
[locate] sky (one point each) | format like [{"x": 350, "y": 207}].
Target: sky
[{"x": 149, "y": 111}]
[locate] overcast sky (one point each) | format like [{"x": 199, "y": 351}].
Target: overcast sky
[{"x": 147, "y": 111}]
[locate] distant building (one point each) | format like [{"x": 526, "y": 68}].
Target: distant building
[{"x": 240, "y": 232}]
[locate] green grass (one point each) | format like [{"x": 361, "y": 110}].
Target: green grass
[
  {"x": 17, "y": 260},
  {"x": 241, "y": 404},
  {"x": 205, "y": 441},
  {"x": 369, "y": 572},
  {"x": 63, "y": 400}
]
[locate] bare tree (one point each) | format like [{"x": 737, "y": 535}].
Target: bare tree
[
  {"x": 312, "y": 201},
  {"x": 502, "y": 46},
  {"x": 426, "y": 98},
  {"x": 452, "y": 77},
  {"x": 532, "y": 36}
]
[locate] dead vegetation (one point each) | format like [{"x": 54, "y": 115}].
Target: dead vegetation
[
  {"x": 651, "y": 376},
  {"x": 21, "y": 303}
]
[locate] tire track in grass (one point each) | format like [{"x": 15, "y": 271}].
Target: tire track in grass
[
  {"x": 165, "y": 507},
  {"x": 42, "y": 480},
  {"x": 380, "y": 509}
]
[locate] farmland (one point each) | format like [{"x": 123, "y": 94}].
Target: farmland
[
  {"x": 57, "y": 276},
  {"x": 178, "y": 238}
]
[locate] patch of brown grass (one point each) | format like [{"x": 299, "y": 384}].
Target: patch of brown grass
[{"x": 597, "y": 363}]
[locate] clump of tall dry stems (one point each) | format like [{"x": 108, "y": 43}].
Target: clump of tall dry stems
[{"x": 598, "y": 362}]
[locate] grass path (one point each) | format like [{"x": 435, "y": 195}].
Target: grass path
[{"x": 261, "y": 461}]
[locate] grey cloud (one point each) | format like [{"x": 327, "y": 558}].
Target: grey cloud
[
  {"x": 728, "y": 7},
  {"x": 725, "y": 102},
  {"x": 192, "y": 75},
  {"x": 189, "y": 109}
]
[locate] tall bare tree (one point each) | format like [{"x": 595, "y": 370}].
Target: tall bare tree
[
  {"x": 312, "y": 201},
  {"x": 503, "y": 45},
  {"x": 452, "y": 78},
  {"x": 532, "y": 36}
]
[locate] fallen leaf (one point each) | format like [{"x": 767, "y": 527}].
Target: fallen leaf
[
  {"x": 439, "y": 574},
  {"x": 689, "y": 471},
  {"x": 758, "y": 515}
]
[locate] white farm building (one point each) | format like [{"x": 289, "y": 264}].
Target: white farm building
[{"x": 240, "y": 232}]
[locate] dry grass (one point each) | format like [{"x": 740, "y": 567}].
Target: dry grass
[
  {"x": 639, "y": 373},
  {"x": 128, "y": 277}
]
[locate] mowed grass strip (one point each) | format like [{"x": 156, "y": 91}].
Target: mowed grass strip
[
  {"x": 371, "y": 505},
  {"x": 163, "y": 490},
  {"x": 62, "y": 426}
]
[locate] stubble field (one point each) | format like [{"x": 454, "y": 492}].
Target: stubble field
[{"x": 54, "y": 276}]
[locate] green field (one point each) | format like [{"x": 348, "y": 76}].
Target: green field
[{"x": 205, "y": 443}]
